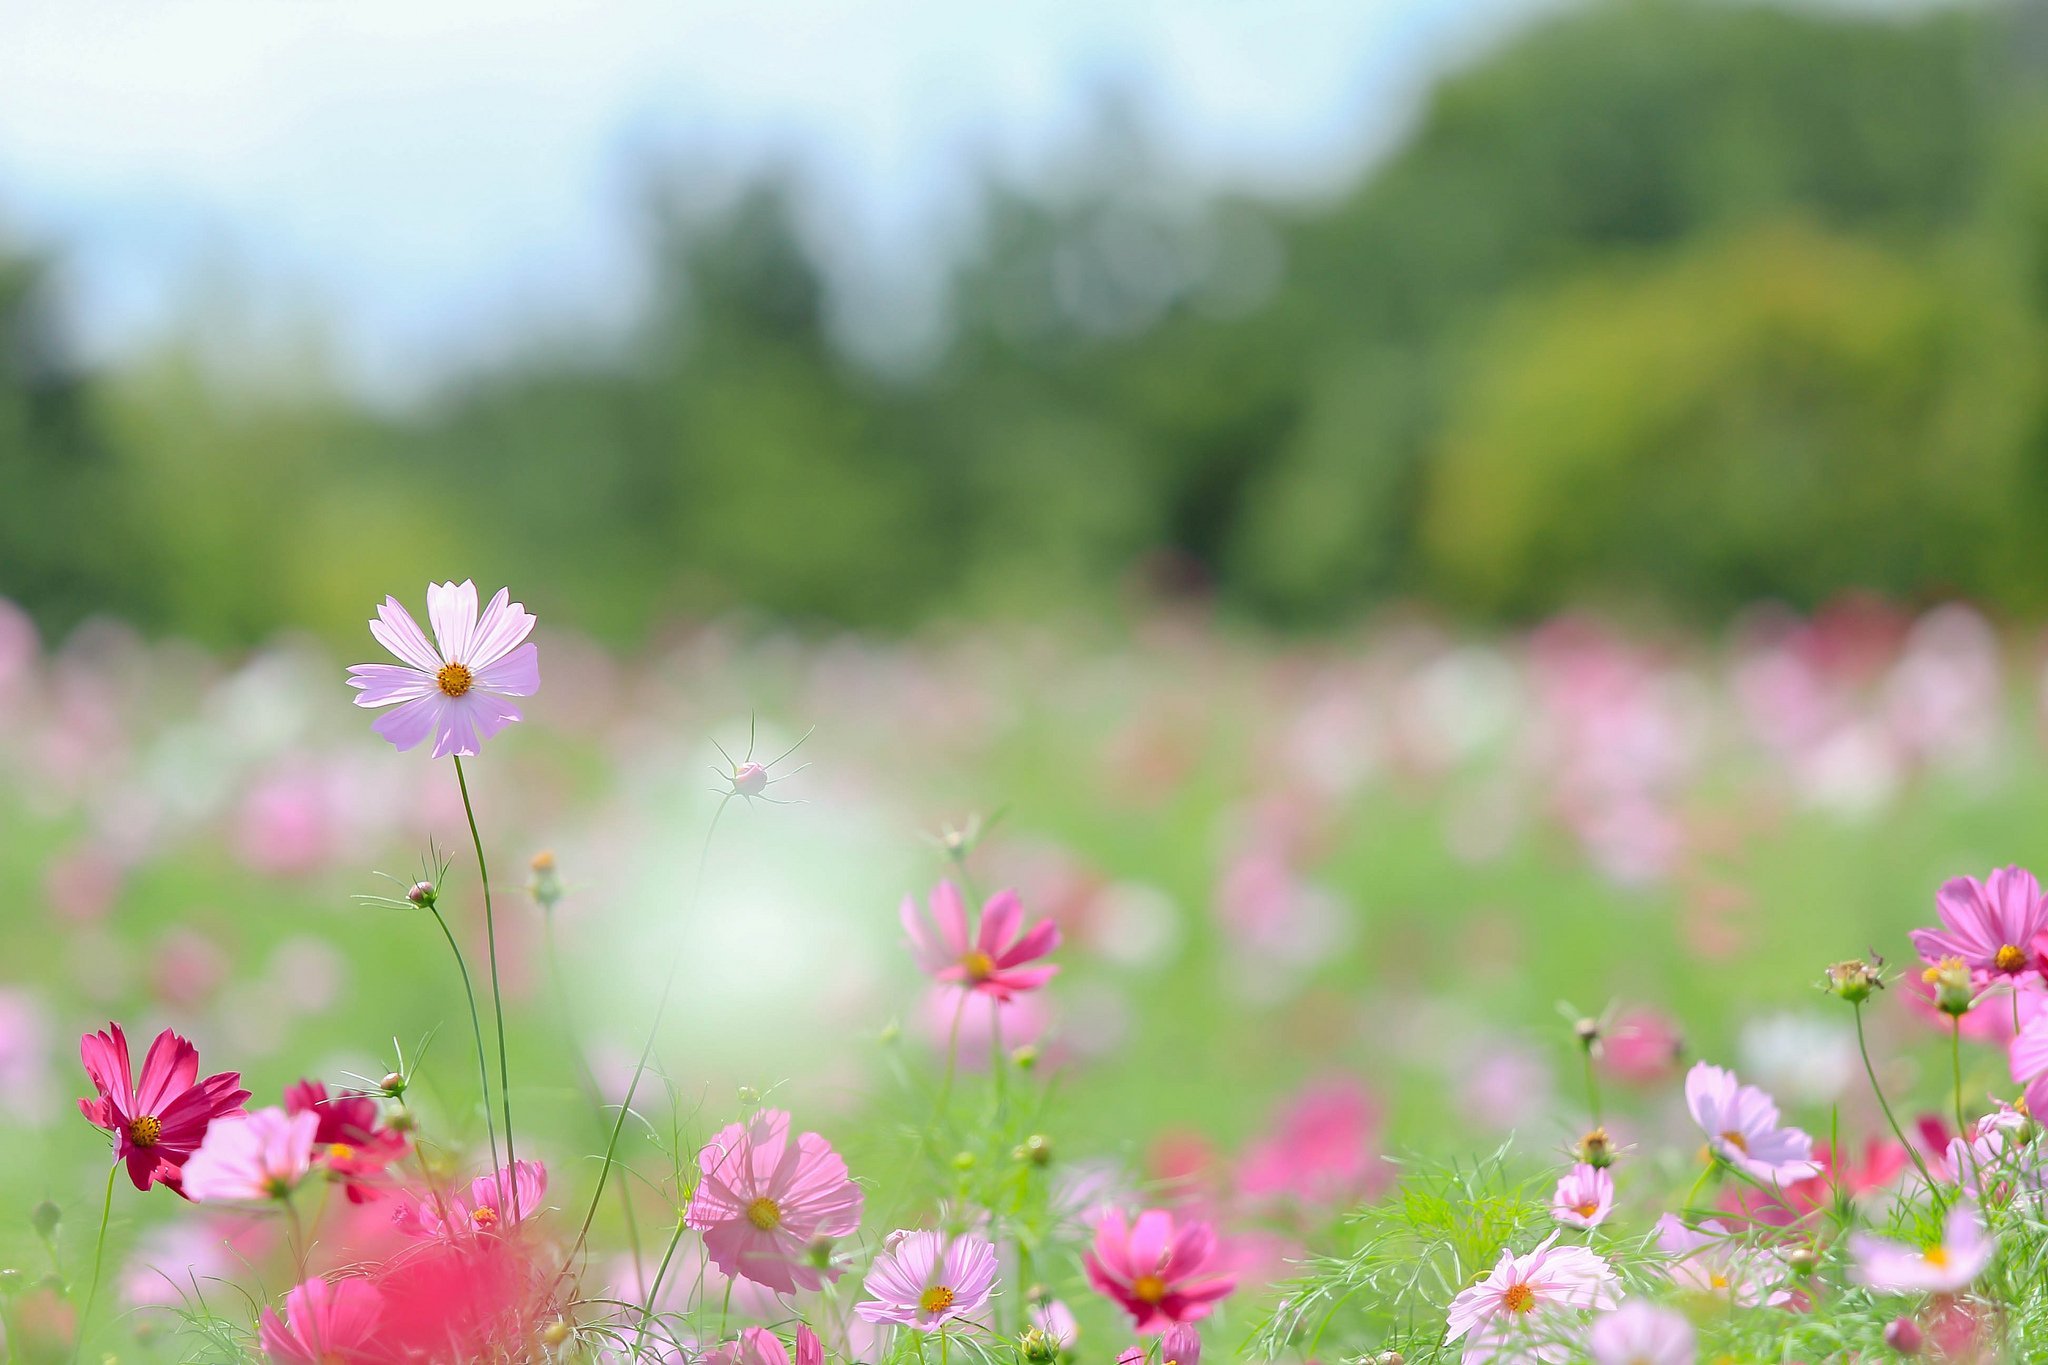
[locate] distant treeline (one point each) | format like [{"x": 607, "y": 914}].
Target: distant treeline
[{"x": 1672, "y": 304}]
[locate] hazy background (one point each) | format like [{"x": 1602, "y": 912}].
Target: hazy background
[{"x": 871, "y": 314}]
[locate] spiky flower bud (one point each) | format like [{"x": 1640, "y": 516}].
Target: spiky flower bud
[
  {"x": 421, "y": 894},
  {"x": 1855, "y": 979},
  {"x": 555, "y": 1334},
  {"x": 1038, "y": 1347},
  {"x": 1951, "y": 982},
  {"x": 1036, "y": 1149},
  {"x": 546, "y": 883},
  {"x": 393, "y": 1083},
  {"x": 1596, "y": 1149}
]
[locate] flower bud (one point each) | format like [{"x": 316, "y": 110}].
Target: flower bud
[
  {"x": 393, "y": 1083},
  {"x": 399, "y": 1119},
  {"x": 1904, "y": 1336},
  {"x": 1587, "y": 1031},
  {"x": 546, "y": 884},
  {"x": 421, "y": 894},
  {"x": 963, "y": 1161},
  {"x": 750, "y": 1098},
  {"x": 1389, "y": 1358},
  {"x": 1025, "y": 1057},
  {"x": 1038, "y": 1347},
  {"x": 554, "y": 1334},
  {"x": 44, "y": 1218},
  {"x": 1855, "y": 979},
  {"x": 1036, "y": 1149},
  {"x": 1951, "y": 982},
  {"x": 1803, "y": 1261},
  {"x": 749, "y": 779},
  {"x": 819, "y": 1252},
  {"x": 1596, "y": 1149}
]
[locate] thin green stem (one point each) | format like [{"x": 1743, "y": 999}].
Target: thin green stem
[
  {"x": 1694, "y": 1192},
  {"x": 476, "y": 1028},
  {"x": 1863, "y": 1046},
  {"x": 1955, "y": 1053},
  {"x": 99, "y": 1259},
  {"x": 611, "y": 1146},
  {"x": 483, "y": 869},
  {"x": 654, "y": 1287},
  {"x": 952, "y": 1056}
]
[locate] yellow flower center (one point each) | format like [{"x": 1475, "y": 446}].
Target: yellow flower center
[
  {"x": 1148, "y": 1289},
  {"x": 1936, "y": 1256},
  {"x": 937, "y": 1299},
  {"x": 980, "y": 966},
  {"x": 1587, "y": 1209},
  {"x": 1520, "y": 1298},
  {"x": 145, "y": 1131},
  {"x": 454, "y": 679},
  {"x": 484, "y": 1216},
  {"x": 340, "y": 1151},
  {"x": 2009, "y": 959},
  {"x": 1736, "y": 1140},
  {"x": 765, "y": 1214},
  {"x": 1717, "y": 1281}
]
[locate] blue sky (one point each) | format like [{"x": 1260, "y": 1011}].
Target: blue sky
[{"x": 415, "y": 183}]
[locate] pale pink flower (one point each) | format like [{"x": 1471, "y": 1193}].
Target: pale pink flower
[
  {"x": 1584, "y": 1196},
  {"x": 1945, "y": 1267},
  {"x": 1519, "y": 1307},
  {"x": 766, "y": 1198},
  {"x": 1641, "y": 1333},
  {"x": 1708, "y": 1260},
  {"x": 495, "y": 1202},
  {"x": 325, "y": 1324},
  {"x": 263, "y": 1155},
  {"x": 927, "y": 1279},
  {"x": 1991, "y": 925},
  {"x": 993, "y": 957},
  {"x": 456, "y": 689},
  {"x": 1742, "y": 1128}
]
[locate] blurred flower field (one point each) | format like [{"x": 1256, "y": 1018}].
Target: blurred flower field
[{"x": 1327, "y": 916}]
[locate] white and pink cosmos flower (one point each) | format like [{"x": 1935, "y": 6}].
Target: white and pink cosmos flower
[
  {"x": 927, "y": 1279},
  {"x": 1710, "y": 1260},
  {"x": 1584, "y": 1196},
  {"x": 1522, "y": 1309},
  {"x": 1991, "y": 925},
  {"x": 456, "y": 689},
  {"x": 1742, "y": 1128},
  {"x": 263, "y": 1155},
  {"x": 1944, "y": 1267}
]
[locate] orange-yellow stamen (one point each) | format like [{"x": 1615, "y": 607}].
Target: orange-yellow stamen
[
  {"x": 980, "y": 966},
  {"x": 1736, "y": 1140},
  {"x": 765, "y": 1214},
  {"x": 454, "y": 679},
  {"x": 340, "y": 1151},
  {"x": 1148, "y": 1289},
  {"x": 1520, "y": 1298},
  {"x": 937, "y": 1299},
  {"x": 1936, "y": 1256},
  {"x": 484, "y": 1217},
  {"x": 2009, "y": 959},
  {"x": 1587, "y": 1209},
  {"x": 145, "y": 1131}
]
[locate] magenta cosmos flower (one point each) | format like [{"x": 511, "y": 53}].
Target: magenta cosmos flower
[
  {"x": 759, "y": 1346},
  {"x": 325, "y": 1324},
  {"x": 1641, "y": 1333},
  {"x": 1990, "y": 925},
  {"x": 1947, "y": 1267},
  {"x": 455, "y": 689},
  {"x": 926, "y": 1280},
  {"x": 495, "y": 1202},
  {"x": 263, "y": 1155},
  {"x": 993, "y": 957},
  {"x": 766, "y": 1198},
  {"x": 1158, "y": 1272},
  {"x": 160, "y": 1121},
  {"x": 1518, "y": 1309},
  {"x": 1584, "y": 1196},
  {"x": 1741, "y": 1124}
]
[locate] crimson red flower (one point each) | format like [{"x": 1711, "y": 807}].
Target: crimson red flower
[
  {"x": 993, "y": 957},
  {"x": 348, "y": 1142},
  {"x": 161, "y": 1120},
  {"x": 1156, "y": 1271}
]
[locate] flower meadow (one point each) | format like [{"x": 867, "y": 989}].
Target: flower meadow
[{"x": 1565, "y": 996}]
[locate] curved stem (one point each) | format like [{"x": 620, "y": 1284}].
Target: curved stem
[
  {"x": 668, "y": 987},
  {"x": 99, "y": 1257},
  {"x": 476, "y": 1027},
  {"x": 1863, "y": 1046},
  {"x": 654, "y": 1287},
  {"x": 497, "y": 996}
]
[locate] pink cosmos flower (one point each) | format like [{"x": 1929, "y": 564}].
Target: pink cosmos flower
[
  {"x": 2027, "y": 1055},
  {"x": 263, "y": 1155},
  {"x": 1947, "y": 1267},
  {"x": 1511, "y": 1312},
  {"x": 765, "y": 1199},
  {"x": 759, "y": 1346},
  {"x": 325, "y": 1324},
  {"x": 160, "y": 1122},
  {"x": 1158, "y": 1272},
  {"x": 1990, "y": 925},
  {"x": 1180, "y": 1344},
  {"x": 1741, "y": 1124},
  {"x": 1710, "y": 1260},
  {"x": 348, "y": 1141},
  {"x": 495, "y": 1202},
  {"x": 992, "y": 958},
  {"x": 457, "y": 688},
  {"x": 1584, "y": 1196},
  {"x": 1323, "y": 1151},
  {"x": 1641, "y": 1333},
  {"x": 926, "y": 1280}
]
